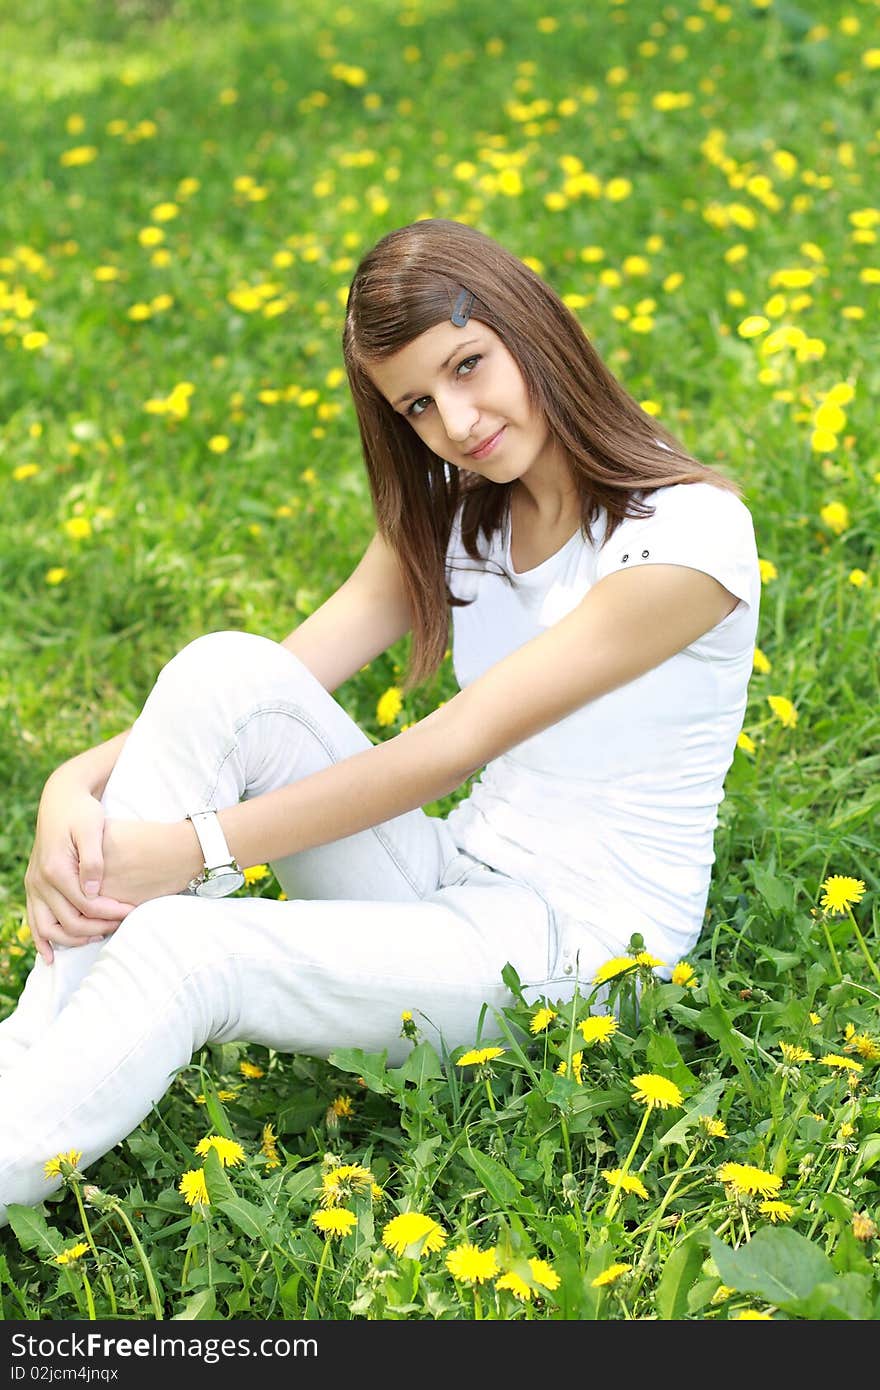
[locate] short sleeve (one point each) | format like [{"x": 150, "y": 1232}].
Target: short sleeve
[{"x": 697, "y": 525}]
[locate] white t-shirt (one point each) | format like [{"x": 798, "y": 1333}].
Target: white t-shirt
[{"x": 610, "y": 813}]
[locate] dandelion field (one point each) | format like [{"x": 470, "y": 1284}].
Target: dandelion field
[{"x": 188, "y": 189}]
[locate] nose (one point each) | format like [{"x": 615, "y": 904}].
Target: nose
[{"x": 458, "y": 418}]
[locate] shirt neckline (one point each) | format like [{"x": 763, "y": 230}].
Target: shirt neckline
[{"x": 536, "y": 570}]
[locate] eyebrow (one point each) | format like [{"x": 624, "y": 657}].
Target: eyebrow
[{"x": 415, "y": 395}]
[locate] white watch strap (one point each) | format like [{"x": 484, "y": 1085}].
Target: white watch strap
[{"x": 215, "y": 850}]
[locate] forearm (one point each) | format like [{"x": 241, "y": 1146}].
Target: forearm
[
  {"x": 90, "y": 770},
  {"x": 420, "y": 765}
]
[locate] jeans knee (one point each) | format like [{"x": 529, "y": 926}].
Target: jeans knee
[{"x": 226, "y": 660}]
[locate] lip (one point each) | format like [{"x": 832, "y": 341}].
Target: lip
[{"x": 485, "y": 449}]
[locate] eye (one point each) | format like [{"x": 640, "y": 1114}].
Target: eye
[
  {"x": 419, "y": 407},
  {"x": 467, "y": 365}
]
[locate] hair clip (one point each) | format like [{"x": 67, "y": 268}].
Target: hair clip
[{"x": 463, "y": 308}]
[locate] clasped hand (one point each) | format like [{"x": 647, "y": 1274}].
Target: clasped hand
[{"x": 87, "y": 873}]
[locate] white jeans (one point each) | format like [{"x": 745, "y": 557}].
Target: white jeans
[{"x": 392, "y": 919}]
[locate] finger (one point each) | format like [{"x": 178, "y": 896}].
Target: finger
[
  {"x": 91, "y": 860},
  {"x": 41, "y": 920},
  {"x": 101, "y": 908}
]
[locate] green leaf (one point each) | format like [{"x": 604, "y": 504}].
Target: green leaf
[
  {"x": 32, "y": 1232},
  {"x": 202, "y": 1305},
  {"x": 421, "y": 1065},
  {"x": 664, "y": 1057},
  {"x": 847, "y": 1298},
  {"x": 868, "y": 1155},
  {"x": 500, "y": 1183},
  {"x": 680, "y": 1272},
  {"x": 219, "y": 1187},
  {"x": 305, "y": 1184},
  {"x": 586, "y": 1106},
  {"x": 777, "y": 1264},
  {"x": 778, "y": 893},
  {"x": 247, "y": 1217},
  {"x": 706, "y": 1103},
  {"x": 372, "y": 1066}
]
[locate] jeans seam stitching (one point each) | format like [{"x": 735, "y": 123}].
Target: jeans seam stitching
[{"x": 302, "y": 716}]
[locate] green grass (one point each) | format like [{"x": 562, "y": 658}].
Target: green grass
[{"x": 184, "y": 540}]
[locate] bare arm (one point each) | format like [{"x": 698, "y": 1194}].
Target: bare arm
[
  {"x": 365, "y": 616},
  {"x": 627, "y": 624}
]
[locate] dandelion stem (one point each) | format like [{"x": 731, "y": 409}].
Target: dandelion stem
[
  {"x": 614, "y": 1198},
  {"x": 89, "y": 1298},
  {"x": 117, "y": 1207},
  {"x": 87, "y": 1232},
  {"x": 830, "y": 944},
  {"x": 321, "y": 1263},
  {"x": 658, "y": 1215},
  {"x": 863, "y": 945}
]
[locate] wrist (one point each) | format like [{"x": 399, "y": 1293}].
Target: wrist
[{"x": 190, "y": 858}]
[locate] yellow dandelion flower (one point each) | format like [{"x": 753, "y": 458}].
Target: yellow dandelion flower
[
  {"x": 685, "y": 975},
  {"x": 760, "y": 662},
  {"x": 769, "y": 572},
  {"x": 269, "y": 1146},
  {"x": 840, "y": 892},
  {"x": 610, "y": 1275},
  {"x": 342, "y": 1107},
  {"x": 414, "y": 1234},
  {"x": 228, "y": 1151},
  {"x": 515, "y": 1285},
  {"x": 78, "y": 528},
  {"x": 712, "y": 1128},
  {"x": 836, "y": 516},
  {"x": 78, "y": 155},
  {"x": 745, "y": 743},
  {"x": 56, "y": 575},
  {"x": 627, "y": 1182},
  {"x": 618, "y": 189},
  {"x": 747, "y": 1180},
  {"x": 784, "y": 710},
  {"x": 256, "y": 873},
  {"x": 542, "y": 1020},
  {"x": 53, "y": 1167},
  {"x": 193, "y": 1188},
  {"x": 656, "y": 1092},
  {"x": 863, "y": 1044},
  {"x": 618, "y": 965},
  {"x": 753, "y": 326},
  {"x": 389, "y": 706},
  {"x": 343, "y": 1182},
  {"x": 251, "y": 1070},
  {"x": 793, "y": 1054},
  {"x": 478, "y": 1057},
  {"x": 470, "y": 1265},
  {"x": 75, "y": 1252},
  {"x": 863, "y": 1226},
  {"x": 577, "y": 1068},
  {"x": 598, "y": 1028},
  {"x": 337, "y": 1222},
  {"x": 857, "y": 578},
  {"x": 777, "y": 1211},
  {"x": 25, "y": 471},
  {"x": 833, "y": 1059},
  {"x": 218, "y": 443},
  {"x": 544, "y": 1274}
]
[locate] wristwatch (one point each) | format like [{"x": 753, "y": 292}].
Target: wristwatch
[{"x": 221, "y": 874}]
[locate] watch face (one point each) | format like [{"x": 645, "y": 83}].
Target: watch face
[{"x": 219, "y": 883}]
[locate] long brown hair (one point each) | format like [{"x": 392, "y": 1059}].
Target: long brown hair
[{"x": 409, "y": 282}]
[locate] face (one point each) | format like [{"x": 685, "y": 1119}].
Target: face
[{"x": 464, "y": 395}]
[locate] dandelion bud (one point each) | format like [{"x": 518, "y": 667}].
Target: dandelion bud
[{"x": 863, "y": 1227}]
